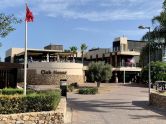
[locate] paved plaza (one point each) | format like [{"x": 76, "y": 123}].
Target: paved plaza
[{"x": 121, "y": 104}]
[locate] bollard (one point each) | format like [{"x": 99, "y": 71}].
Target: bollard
[{"x": 63, "y": 87}]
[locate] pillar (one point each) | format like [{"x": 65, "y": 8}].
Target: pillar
[
  {"x": 110, "y": 59},
  {"x": 124, "y": 77},
  {"x": 58, "y": 58},
  {"x": 47, "y": 57},
  {"x": 116, "y": 59},
  {"x": 116, "y": 77}
]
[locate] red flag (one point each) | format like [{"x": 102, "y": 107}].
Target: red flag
[{"x": 29, "y": 15}]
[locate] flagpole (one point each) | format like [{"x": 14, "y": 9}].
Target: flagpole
[{"x": 25, "y": 57}]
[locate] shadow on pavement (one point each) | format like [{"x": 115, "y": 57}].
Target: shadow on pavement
[
  {"x": 135, "y": 85},
  {"x": 96, "y": 105},
  {"x": 145, "y": 105}
]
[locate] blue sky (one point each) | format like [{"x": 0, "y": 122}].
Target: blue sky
[{"x": 72, "y": 22}]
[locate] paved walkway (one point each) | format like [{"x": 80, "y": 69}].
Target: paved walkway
[{"x": 121, "y": 105}]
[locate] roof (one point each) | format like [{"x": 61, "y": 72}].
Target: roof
[
  {"x": 94, "y": 49},
  {"x": 42, "y": 51},
  {"x": 136, "y": 41}
]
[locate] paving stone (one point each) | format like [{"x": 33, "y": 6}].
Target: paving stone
[{"x": 122, "y": 104}]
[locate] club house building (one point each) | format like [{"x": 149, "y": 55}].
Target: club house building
[{"x": 47, "y": 66}]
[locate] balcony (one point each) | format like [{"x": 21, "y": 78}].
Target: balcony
[
  {"x": 127, "y": 66},
  {"x": 127, "y": 69}
]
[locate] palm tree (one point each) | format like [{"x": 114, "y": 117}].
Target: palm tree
[
  {"x": 0, "y": 46},
  {"x": 154, "y": 50},
  {"x": 73, "y": 49},
  {"x": 83, "y": 48},
  {"x": 158, "y": 35}
]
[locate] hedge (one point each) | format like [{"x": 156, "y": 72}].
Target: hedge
[
  {"x": 33, "y": 102},
  {"x": 42, "y": 101},
  {"x": 88, "y": 90},
  {"x": 10, "y": 91}
]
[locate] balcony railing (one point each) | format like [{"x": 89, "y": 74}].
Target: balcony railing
[{"x": 127, "y": 64}]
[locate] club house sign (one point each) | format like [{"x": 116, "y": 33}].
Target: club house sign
[{"x": 52, "y": 72}]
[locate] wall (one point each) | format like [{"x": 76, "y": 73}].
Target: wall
[
  {"x": 70, "y": 68},
  {"x": 74, "y": 73},
  {"x": 12, "y": 52},
  {"x": 98, "y": 51},
  {"x": 158, "y": 100},
  {"x": 50, "y": 117}
]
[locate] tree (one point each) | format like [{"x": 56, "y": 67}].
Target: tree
[
  {"x": 99, "y": 71},
  {"x": 156, "y": 53},
  {"x": 158, "y": 72},
  {"x": 73, "y": 49},
  {"x": 159, "y": 33},
  {"x": 6, "y": 24},
  {"x": 83, "y": 48}
]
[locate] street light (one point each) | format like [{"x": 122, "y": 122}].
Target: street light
[{"x": 143, "y": 27}]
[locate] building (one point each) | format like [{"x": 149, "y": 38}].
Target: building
[
  {"x": 124, "y": 58},
  {"x": 8, "y": 74},
  {"x": 47, "y": 66}
]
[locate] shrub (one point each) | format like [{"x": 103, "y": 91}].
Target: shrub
[
  {"x": 11, "y": 91},
  {"x": 11, "y": 104},
  {"x": 72, "y": 86},
  {"x": 88, "y": 90},
  {"x": 75, "y": 85},
  {"x": 34, "y": 102},
  {"x": 158, "y": 71},
  {"x": 42, "y": 101}
]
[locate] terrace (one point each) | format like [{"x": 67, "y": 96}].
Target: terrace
[{"x": 39, "y": 55}]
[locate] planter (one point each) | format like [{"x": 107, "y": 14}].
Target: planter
[
  {"x": 158, "y": 100},
  {"x": 49, "y": 117}
]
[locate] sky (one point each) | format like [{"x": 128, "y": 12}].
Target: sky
[{"x": 73, "y": 22}]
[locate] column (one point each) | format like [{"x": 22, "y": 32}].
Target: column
[
  {"x": 124, "y": 77},
  {"x": 116, "y": 77},
  {"x": 47, "y": 57},
  {"x": 116, "y": 59},
  {"x": 58, "y": 58},
  {"x": 110, "y": 59}
]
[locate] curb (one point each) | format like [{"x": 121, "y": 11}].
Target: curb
[{"x": 68, "y": 118}]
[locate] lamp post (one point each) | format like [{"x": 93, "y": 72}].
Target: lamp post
[{"x": 143, "y": 27}]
